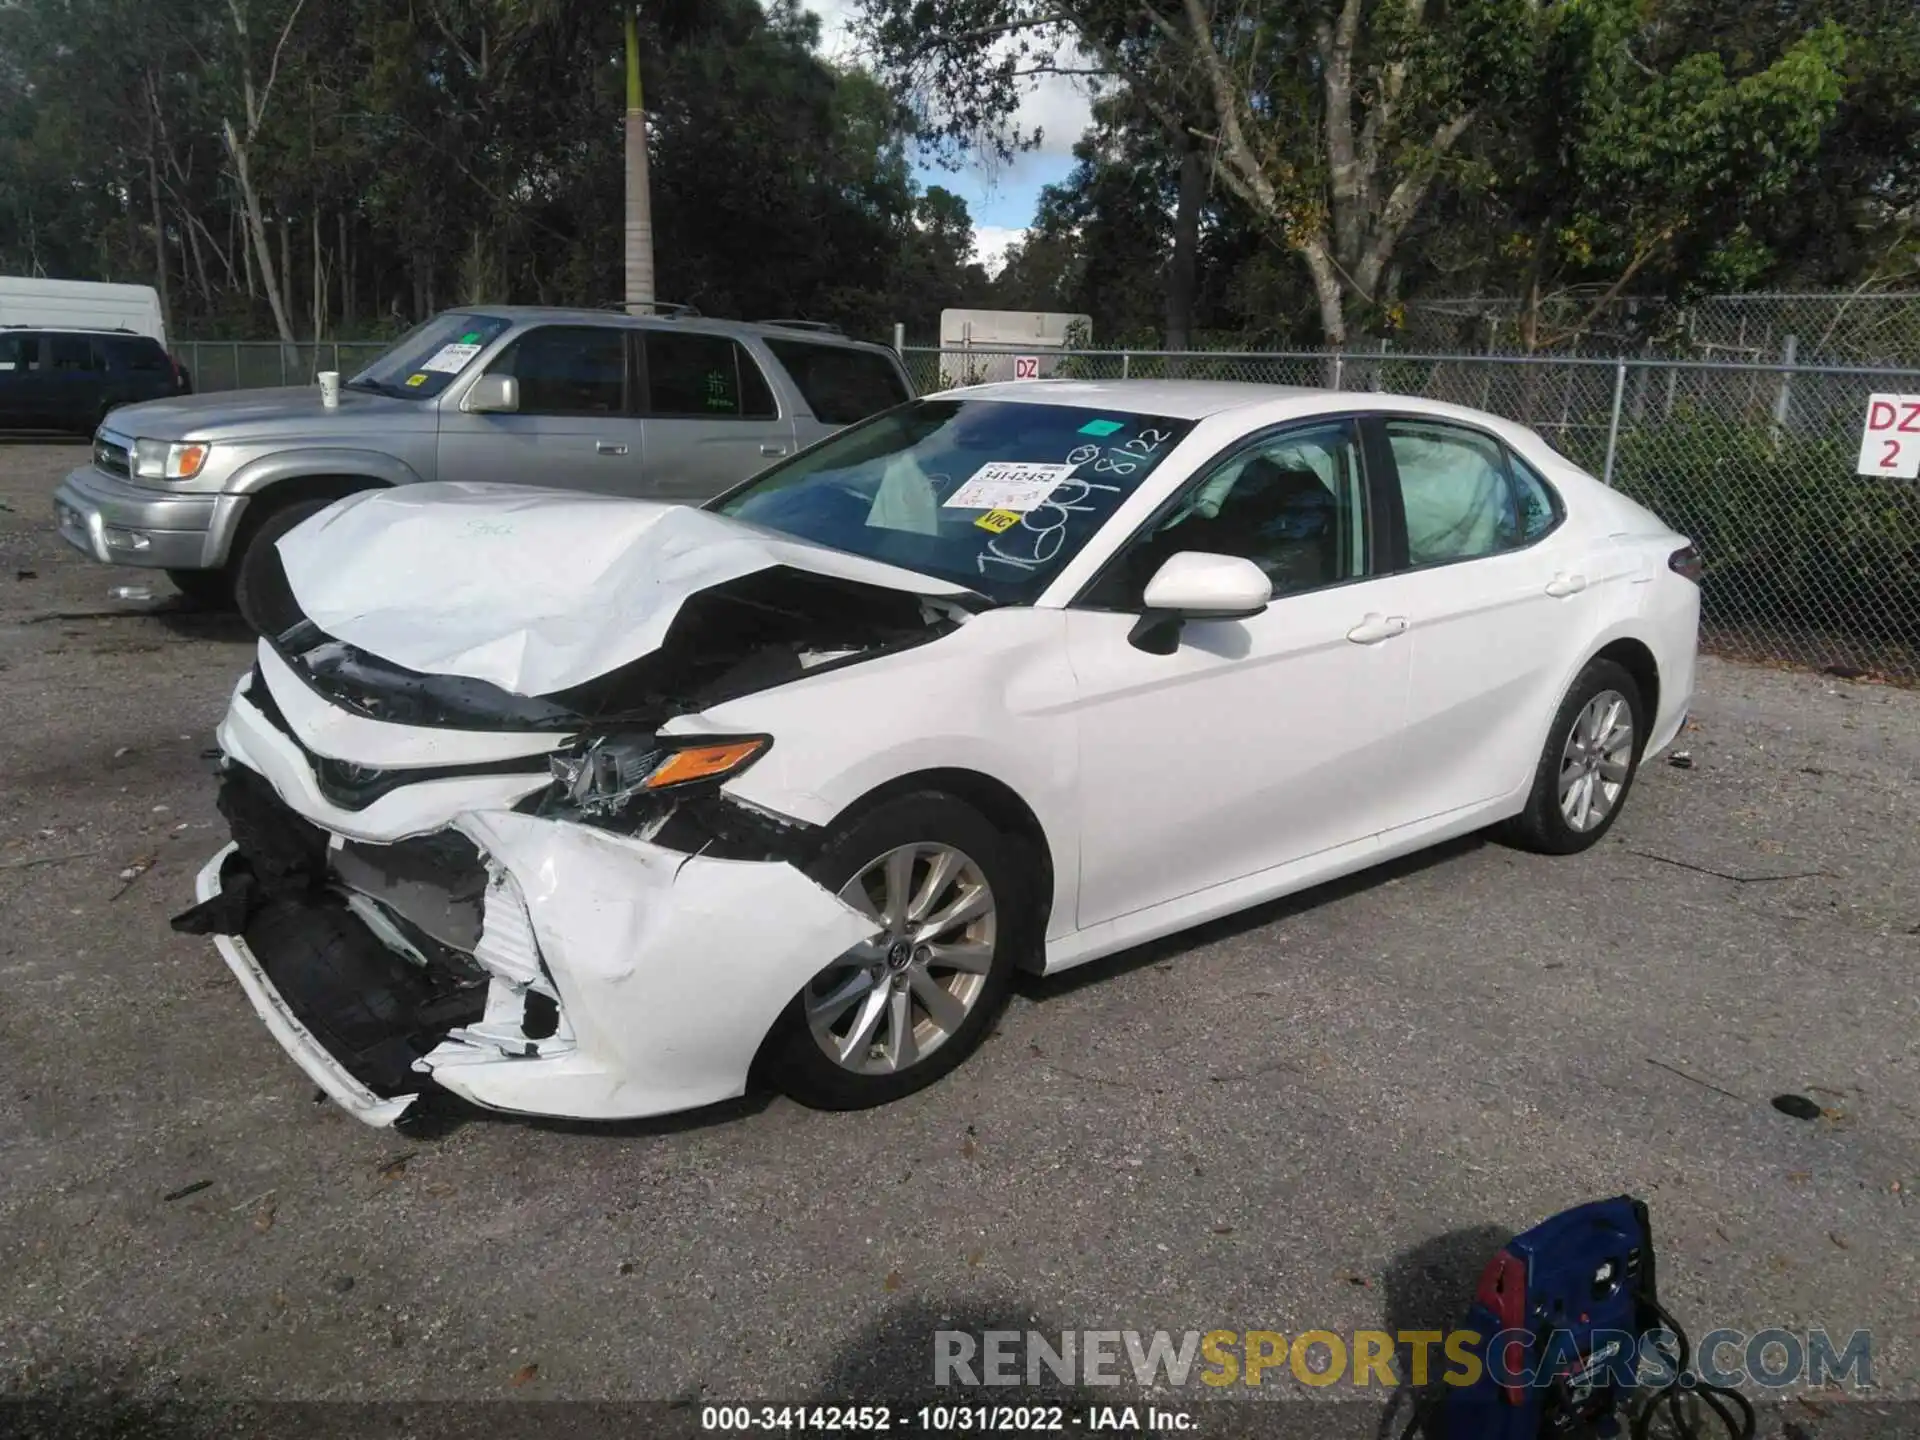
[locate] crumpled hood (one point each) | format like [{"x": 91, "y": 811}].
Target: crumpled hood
[{"x": 534, "y": 591}]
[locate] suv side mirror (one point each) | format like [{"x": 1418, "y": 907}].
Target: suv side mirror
[
  {"x": 1197, "y": 586},
  {"x": 492, "y": 395}
]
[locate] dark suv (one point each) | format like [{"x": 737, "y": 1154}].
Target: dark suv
[{"x": 70, "y": 379}]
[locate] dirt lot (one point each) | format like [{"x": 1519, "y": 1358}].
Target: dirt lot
[{"x": 1323, "y": 1114}]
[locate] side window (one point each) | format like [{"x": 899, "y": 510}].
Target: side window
[
  {"x": 841, "y": 384},
  {"x": 1294, "y": 504},
  {"x": 1539, "y": 511},
  {"x": 1458, "y": 495},
  {"x": 708, "y": 377},
  {"x": 568, "y": 370},
  {"x": 19, "y": 353},
  {"x": 75, "y": 352}
]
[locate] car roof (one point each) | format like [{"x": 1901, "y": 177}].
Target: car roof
[
  {"x": 705, "y": 324},
  {"x": 1178, "y": 399},
  {"x": 116, "y": 332}
]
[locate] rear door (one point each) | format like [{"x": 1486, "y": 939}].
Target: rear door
[
  {"x": 841, "y": 384},
  {"x": 575, "y": 429},
  {"x": 712, "y": 418},
  {"x": 1496, "y": 604},
  {"x": 74, "y": 383}
]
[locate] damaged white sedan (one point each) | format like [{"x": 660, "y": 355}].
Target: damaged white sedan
[{"x": 589, "y": 807}]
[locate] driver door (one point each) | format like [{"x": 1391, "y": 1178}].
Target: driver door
[{"x": 1258, "y": 742}]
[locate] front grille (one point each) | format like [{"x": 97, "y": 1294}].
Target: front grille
[{"x": 111, "y": 456}]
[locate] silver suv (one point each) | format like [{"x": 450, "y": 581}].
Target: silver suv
[{"x": 674, "y": 408}]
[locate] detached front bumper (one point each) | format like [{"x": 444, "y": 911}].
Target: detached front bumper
[
  {"x": 120, "y": 523},
  {"x": 610, "y": 978}
]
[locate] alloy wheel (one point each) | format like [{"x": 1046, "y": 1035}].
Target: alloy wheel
[
  {"x": 890, "y": 1001},
  {"x": 1596, "y": 761}
]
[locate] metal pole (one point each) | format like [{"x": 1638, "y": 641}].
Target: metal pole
[
  {"x": 1783, "y": 398},
  {"x": 1339, "y": 370},
  {"x": 1126, "y": 364},
  {"x": 1613, "y": 425},
  {"x": 236, "y": 365},
  {"x": 900, "y": 339}
]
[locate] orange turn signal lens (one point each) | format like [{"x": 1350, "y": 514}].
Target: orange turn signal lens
[
  {"x": 703, "y": 762},
  {"x": 187, "y": 461}
]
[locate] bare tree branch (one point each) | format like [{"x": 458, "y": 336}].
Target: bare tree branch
[{"x": 273, "y": 66}]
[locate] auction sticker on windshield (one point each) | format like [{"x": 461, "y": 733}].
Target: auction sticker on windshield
[
  {"x": 1008, "y": 485},
  {"x": 451, "y": 359}
]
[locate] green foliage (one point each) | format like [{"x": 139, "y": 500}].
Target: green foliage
[
  {"x": 464, "y": 150},
  {"x": 1784, "y": 525}
]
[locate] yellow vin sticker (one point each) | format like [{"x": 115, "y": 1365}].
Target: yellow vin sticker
[{"x": 998, "y": 521}]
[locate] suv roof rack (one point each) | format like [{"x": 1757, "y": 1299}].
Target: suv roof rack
[
  {"x": 664, "y": 308},
  {"x": 825, "y": 327}
]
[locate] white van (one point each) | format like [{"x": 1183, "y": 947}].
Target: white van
[{"x": 80, "y": 305}]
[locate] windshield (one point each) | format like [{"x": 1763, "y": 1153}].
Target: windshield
[
  {"x": 424, "y": 361},
  {"x": 996, "y": 495}
]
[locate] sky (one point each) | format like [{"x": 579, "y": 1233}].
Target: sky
[{"x": 1000, "y": 196}]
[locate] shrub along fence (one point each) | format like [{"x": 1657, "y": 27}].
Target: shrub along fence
[{"x": 1806, "y": 562}]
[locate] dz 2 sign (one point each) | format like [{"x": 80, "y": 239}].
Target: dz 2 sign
[{"x": 1890, "y": 445}]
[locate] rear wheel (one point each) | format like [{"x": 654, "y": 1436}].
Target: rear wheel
[
  {"x": 948, "y": 895},
  {"x": 260, "y": 586},
  {"x": 1587, "y": 765}
]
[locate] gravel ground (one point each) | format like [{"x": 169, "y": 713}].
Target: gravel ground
[{"x": 1325, "y": 1113}]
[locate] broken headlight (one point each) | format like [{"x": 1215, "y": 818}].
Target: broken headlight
[{"x": 601, "y": 776}]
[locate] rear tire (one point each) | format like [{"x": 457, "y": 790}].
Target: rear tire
[
  {"x": 839, "y": 1043},
  {"x": 209, "y": 589},
  {"x": 260, "y": 586},
  {"x": 1587, "y": 766}
]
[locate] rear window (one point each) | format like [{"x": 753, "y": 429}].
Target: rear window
[
  {"x": 19, "y": 352},
  {"x": 144, "y": 355},
  {"x": 840, "y": 384}
]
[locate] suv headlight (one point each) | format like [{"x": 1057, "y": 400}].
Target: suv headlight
[
  {"x": 600, "y": 776},
  {"x": 169, "y": 459}
]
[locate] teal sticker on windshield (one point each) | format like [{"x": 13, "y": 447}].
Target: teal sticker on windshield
[
  {"x": 1101, "y": 427},
  {"x": 472, "y": 337}
]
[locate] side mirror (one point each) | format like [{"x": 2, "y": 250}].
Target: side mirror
[
  {"x": 492, "y": 395},
  {"x": 1197, "y": 586}
]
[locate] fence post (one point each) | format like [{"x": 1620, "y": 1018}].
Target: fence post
[
  {"x": 1126, "y": 364},
  {"x": 1613, "y": 425},
  {"x": 900, "y": 339},
  {"x": 236, "y": 365},
  {"x": 1339, "y": 370},
  {"x": 1783, "y": 397}
]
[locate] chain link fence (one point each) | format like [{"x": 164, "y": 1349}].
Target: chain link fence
[
  {"x": 1807, "y": 563},
  {"x": 258, "y": 364}
]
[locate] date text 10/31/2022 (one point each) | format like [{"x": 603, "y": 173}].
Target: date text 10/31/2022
[{"x": 946, "y": 1419}]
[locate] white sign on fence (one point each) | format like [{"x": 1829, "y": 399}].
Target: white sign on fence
[
  {"x": 1890, "y": 444},
  {"x": 1026, "y": 367}
]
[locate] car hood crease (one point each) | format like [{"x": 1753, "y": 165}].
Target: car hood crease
[{"x": 532, "y": 591}]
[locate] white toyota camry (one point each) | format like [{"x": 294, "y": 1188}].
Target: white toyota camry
[{"x": 582, "y": 806}]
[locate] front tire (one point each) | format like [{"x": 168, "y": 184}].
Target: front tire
[
  {"x": 209, "y": 589},
  {"x": 260, "y": 586},
  {"x": 894, "y": 1015},
  {"x": 1587, "y": 765}
]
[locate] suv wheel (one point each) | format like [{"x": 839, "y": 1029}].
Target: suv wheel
[
  {"x": 210, "y": 589},
  {"x": 259, "y": 580}
]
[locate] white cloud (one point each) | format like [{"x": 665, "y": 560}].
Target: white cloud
[{"x": 991, "y": 243}]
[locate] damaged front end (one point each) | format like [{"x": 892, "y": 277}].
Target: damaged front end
[{"x": 541, "y": 904}]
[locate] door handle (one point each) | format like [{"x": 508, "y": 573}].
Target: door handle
[
  {"x": 773, "y": 449},
  {"x": 1563, "y": 585},
  {"x": 609, "y": 447},
  {"x": 1375, "y": 628}
]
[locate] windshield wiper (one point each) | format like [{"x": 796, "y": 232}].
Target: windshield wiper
[{"x": 376, "y": 387}]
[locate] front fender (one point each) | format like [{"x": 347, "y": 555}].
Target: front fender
[{"x": 329, "y": 461}]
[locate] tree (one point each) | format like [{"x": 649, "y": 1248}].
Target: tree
[{"x": 1336, "y": 122}]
